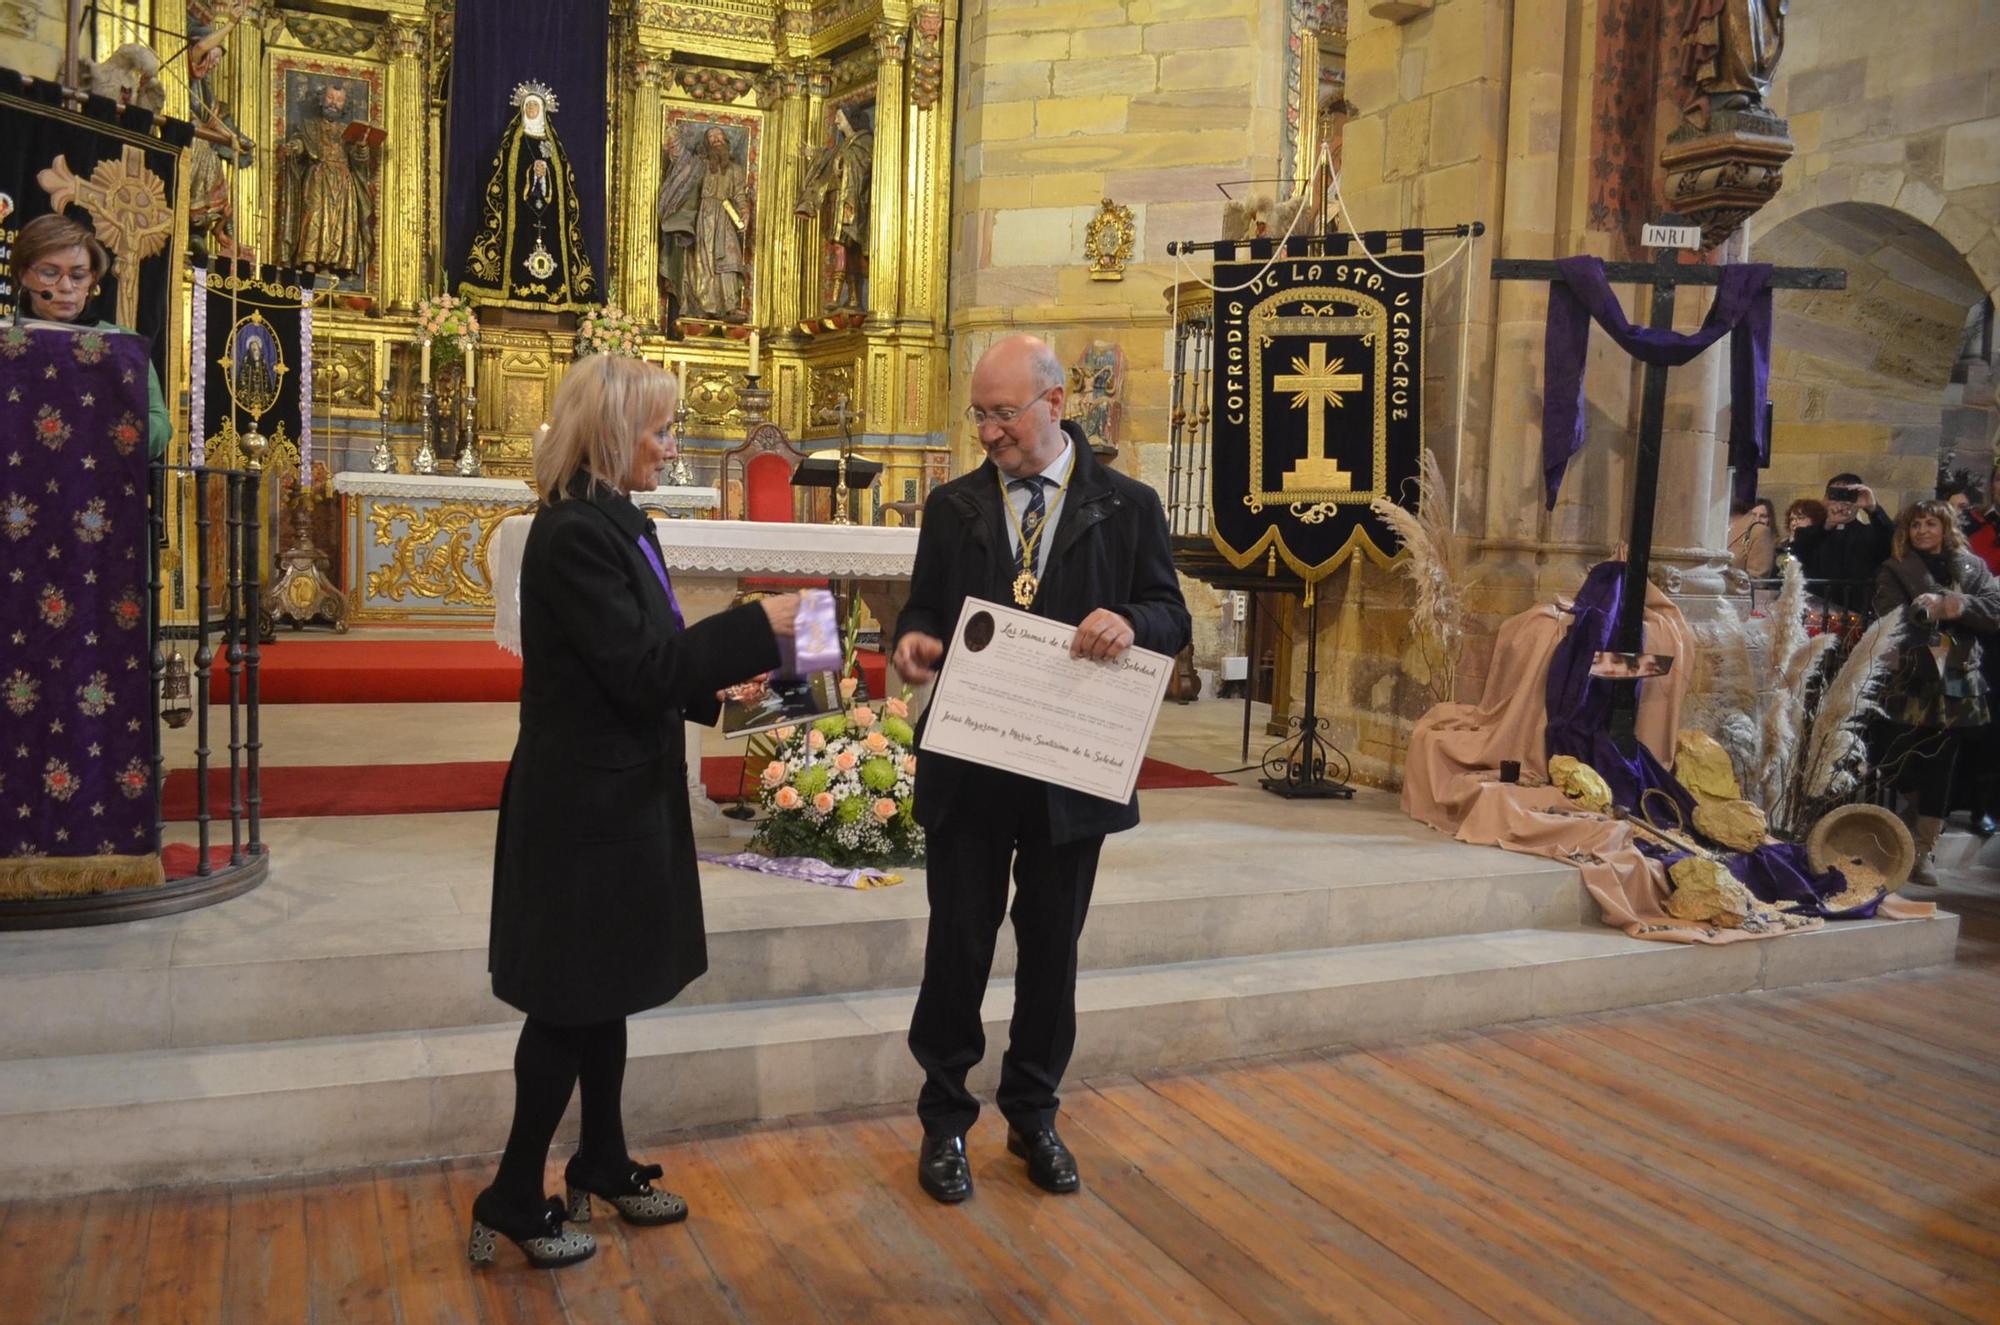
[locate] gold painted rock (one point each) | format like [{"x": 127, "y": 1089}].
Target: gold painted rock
[
  {"x": 1736, "y": 824},
  {"x": 1705, "y": 890},
  {"x": 1704, "y": 768},
  {"x": 1867, "y": 843},
  {"x": 1580, "y": 782}
]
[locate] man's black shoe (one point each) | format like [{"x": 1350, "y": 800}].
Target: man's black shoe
[
  {"x": 943, "y": 1170},
  {"x": 1050, "y": 1164},
  {"x": 1985, "y": 826}
]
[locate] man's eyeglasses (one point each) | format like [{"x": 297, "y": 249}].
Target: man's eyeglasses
[
  {"x": 1005, "y": 415},
  {"x": 53, "y": 276}
]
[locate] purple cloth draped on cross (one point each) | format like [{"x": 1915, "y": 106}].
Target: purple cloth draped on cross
[{"x": 1742, "y": 311}]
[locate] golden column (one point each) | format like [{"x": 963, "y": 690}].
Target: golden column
[
  {"x": 927, "y": 220},
  {"x": 885, "y": 239},
  {"x": 170, "y": 20},
  {"x": 638, "y": 286},
  {"x": 782, "y": 258},
  {"x": 404, "y": 161}
]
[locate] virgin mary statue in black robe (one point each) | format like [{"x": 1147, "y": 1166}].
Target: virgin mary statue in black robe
[{"x": 529, "y": 249}]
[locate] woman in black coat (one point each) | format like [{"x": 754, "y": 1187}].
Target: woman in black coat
[
  {"x": 596, "y": 898},
  {"x": 1937, "y": 693}
]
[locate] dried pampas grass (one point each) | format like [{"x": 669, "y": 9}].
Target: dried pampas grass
[
  {"x": 1437, "y": 617},
  {"x": 1834, "y": 750}
]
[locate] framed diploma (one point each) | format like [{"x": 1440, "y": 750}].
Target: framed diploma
[{"x": 1011, "y": 697}]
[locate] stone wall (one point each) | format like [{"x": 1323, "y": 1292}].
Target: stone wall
[{"x": 31, "y": 37}]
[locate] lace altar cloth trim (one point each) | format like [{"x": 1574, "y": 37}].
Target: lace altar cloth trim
[{"x": 451, "y": 487}]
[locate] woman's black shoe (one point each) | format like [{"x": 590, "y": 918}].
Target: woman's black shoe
[
  {"x": 634, "y": 1196},
  {"x": 539, "y": 1234}
]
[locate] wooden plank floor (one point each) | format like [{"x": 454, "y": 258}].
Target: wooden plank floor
[{"x": 1825, "y": 1154}]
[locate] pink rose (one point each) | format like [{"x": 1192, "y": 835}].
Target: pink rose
[
  {"x": 848, "y": 685},
  {"x": 885, "y": 809},
  {"x": 824, "y": 802},
  {"x": 788, "y": 798},
  {"x": 896, "y": 708},
  {"x": 785, "y": 734},
  {"x": 815, "y": 740},
  {"x": 863, "y": 716},
  {"x": 846, "y": 760},
  {"x": 876, "y": 743},
  {"x": 774, "y": 772}
]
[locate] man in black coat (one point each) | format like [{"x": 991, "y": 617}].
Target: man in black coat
[
  {"x": 1104, "y": 567},
  {"x": 1841, "y": 559}
]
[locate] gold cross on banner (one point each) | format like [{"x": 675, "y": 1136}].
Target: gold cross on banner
[
  {"x": 1319, "y": 385},
  {"x": 128, "y": 207}
]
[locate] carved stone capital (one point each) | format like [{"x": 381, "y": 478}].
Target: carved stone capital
[
  {"x": 650, "y": 70},
  {"x": 819, "y": 77},
  {"x": 892, "y": 41}
]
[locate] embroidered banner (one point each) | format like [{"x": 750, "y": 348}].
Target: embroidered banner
[
  {"x": 1317, "y": 409},
  {"x": 253, "y": 366},
  {"x": 105, "y": 169},
  {"x": 76, "y": 761}
]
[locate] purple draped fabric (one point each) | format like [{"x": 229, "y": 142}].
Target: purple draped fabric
[
  {"x": 1579, "y": 707},
  {"x": 1579, "y": 704},
  {"x": 1742, "y": 311},
  {"x": 76, "y": 762}
]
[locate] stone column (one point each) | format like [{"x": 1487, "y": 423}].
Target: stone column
[
  {"x": 403, "y": 162},
  {"x": 1691, "y": 518},
  {"x": 638, "y": 286},
  {"x": 885, "y": 238}
]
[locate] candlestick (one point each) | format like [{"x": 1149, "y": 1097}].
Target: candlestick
[
  {"x": 384, "y": 460},
  {"x": 425, "y": 461},
  {"x": 468, "y": 437},
  {"x": 753, "y": 354}
]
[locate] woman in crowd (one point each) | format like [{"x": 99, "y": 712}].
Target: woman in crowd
[
  {"x": 1753, "y": 539},
  {"x": 59, "y": 267},
  {"x": 596, "y": 899},
  {"x": 1801, "y": 516},
  {"x": 1936, "y": 694}
]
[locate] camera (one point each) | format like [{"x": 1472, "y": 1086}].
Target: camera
[{"x": 1843, "y": 494}]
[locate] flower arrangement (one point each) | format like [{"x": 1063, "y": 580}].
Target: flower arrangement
[
  {"x": 841, "y": 788},
  {"x": 448, "y": 323},
  {"x": 608, "y": 329}
]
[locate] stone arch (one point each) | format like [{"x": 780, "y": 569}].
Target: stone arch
[{"x": 1872, "y": 378}]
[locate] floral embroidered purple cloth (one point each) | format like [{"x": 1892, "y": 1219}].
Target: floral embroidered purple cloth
[
  {"x": 76, "y": 764},
  {"x": 809, "y": 868},
  {"x": 1742, "y": 311}
]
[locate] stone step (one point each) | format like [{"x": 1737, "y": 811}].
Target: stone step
[
  {"x": 257, "y": 972},
  {"x": 141, "y": 1117}
]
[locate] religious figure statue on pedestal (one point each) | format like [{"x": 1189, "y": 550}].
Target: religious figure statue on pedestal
[
  {"x": 324, "y": 215},
  {"x": 1730, "y": 51},
  {"x": 679, "y": 201},
  {"x": 721, "y": 228},
  {"x": 218, "y": 143},
  {"x": 529, "y": 250},
  {"x": 843, "y": 169}
]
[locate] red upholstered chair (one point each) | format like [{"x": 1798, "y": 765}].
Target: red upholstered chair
[{"x": 763, "y": 463}]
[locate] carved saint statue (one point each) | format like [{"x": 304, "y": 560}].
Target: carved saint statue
[
  {"x": 218, "y": 143},
  {"x": 721, "y": 229},
  {"x": 844, "y": 170},
  {"x": 1730, "y": 51},
  {"x": 324, "y": 217},
  {"x": 529, "y": 250},
  {"x": 679, "y": 201}
]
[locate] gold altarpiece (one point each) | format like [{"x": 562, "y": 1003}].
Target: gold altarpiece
[{"x": 776, "y": 70}]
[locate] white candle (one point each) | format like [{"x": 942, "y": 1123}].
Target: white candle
[
  {"x": 469, "y": 357},
  {"x": 753, "y": 354},
  {"x": 681, "y": 379},
  {"x": 427, "y": 361}
]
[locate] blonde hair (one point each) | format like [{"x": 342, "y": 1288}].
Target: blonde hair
[
  {"x": 1954, "y": 537},
  {"x": 604, "y": 404}
]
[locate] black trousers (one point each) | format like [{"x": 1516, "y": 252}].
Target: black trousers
[
  {"x": 1919, "y": 762},
  {"x": 1003, "y": 824}
]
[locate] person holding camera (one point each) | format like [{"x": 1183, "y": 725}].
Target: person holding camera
[
  {"x": 1937, "y": 693},
  {"x": 1841, "y": 556}
]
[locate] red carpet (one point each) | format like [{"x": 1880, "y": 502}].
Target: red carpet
[
  {"x": 356, "y": 671},
  {"x": 334, "y": 790}
]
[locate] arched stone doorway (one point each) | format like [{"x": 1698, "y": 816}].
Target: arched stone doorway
[{"x": 1876, "y": 378}]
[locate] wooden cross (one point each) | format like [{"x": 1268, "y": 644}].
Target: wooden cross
[
  {"x": 1665, "y": 274},
  {"x": 128, "y": 205},
  {"x": 1319, "y": 385}
]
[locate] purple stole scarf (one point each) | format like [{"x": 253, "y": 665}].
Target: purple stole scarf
[{"x": 1742, "y": 310}]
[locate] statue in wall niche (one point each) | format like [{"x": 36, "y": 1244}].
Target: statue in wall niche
[
  {"x": 1730, "y": 51},
  {"x": 528, "y": 252},
  {"x": 674, "y": 214},
  {"x": 721, "y": 233},
  {"x": 324, "y": 214},
  {"x": 218, "y": 147},
  {"x": 843, "y": 171}
]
